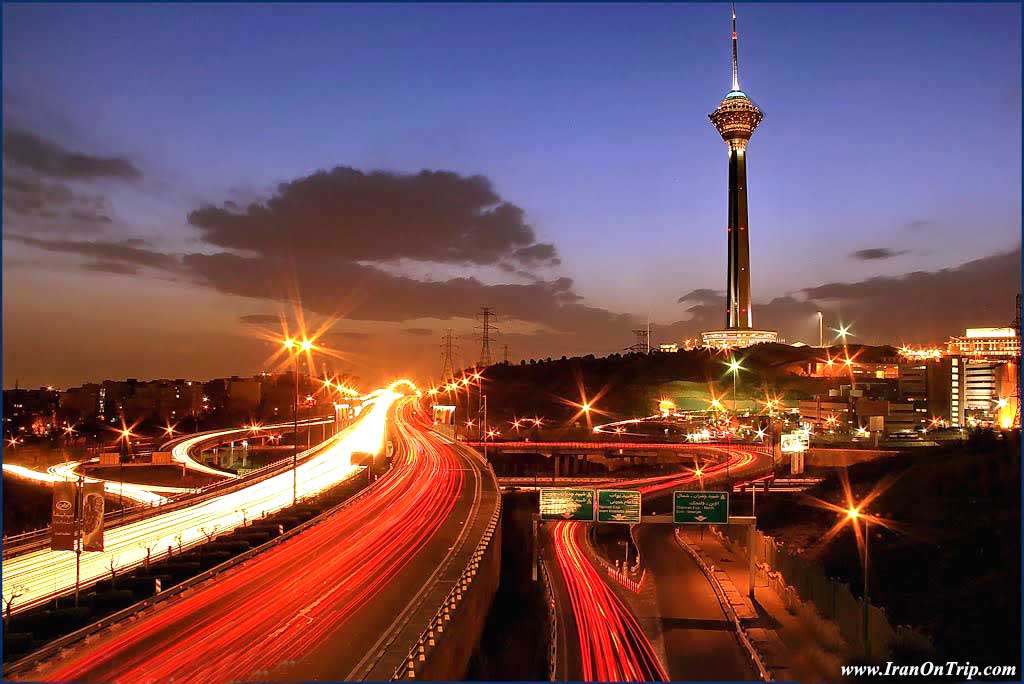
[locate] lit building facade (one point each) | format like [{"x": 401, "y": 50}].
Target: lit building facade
[
  {"x": 987, "y": 343},
  {"x": 936, "y": 390},
  {"x": 736, "y": 119}
]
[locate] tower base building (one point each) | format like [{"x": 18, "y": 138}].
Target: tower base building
[{"x": 736, "y": 338}]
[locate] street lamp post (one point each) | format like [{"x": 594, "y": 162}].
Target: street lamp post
[
  {"x": 734, "y": 368},
  {"x": 293, "y": 347},
  {"x": 867, "y": 638},
  {"x": 854, "y": 514}
]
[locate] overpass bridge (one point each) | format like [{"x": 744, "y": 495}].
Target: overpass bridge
[{"x": 570, "y": 458}]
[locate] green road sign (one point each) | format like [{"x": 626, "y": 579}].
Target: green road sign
[
  {"x": 566, "y": 504},
  {"x": 618, "y": 506},
  {"x": 700, "y": 507}
]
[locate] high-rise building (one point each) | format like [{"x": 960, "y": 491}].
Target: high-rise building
[
  {"x": 989, "y": 393},
  {"x": 736, "y": 119},
  {"x": 935, "y": 387}
]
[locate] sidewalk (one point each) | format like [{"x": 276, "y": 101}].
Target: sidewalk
[{"x": 790, "y": 648}]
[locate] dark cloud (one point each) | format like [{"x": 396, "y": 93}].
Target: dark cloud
[
  {"x": 419, "y": 332},
  {"x": 379, "y": 216},
  {"x": 260, "y": 319},
  {"x": 333, "y": 286},
  {"x": 29, "y": 196},
  {"x": 923, "y": 306},
  {"x": 126, "y": 252},
  {"x": 349, "y": 335},
  {"x": 876, "y": 253},
  {"x": 115, "y": 267},
  {"x": 702, "y": 296},
  {"x": 28, "y": 150}
]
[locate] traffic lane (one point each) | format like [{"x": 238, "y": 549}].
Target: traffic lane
[
  {"x": 611, "y": 644},
  {"x": 569, "y": 659},
  {"x": 260, "y": 620},
  {"x": 699, "y": 642},
  {"x": 346, "y": 649}
]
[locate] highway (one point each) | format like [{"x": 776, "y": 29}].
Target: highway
[
  {"x": 698, "y": 638},
  {"x": 43, "y": 574},
  {"x": 332, "y": 602},
  {"x": 600, "y": 639},
  {"x": 609, "y": 644}
]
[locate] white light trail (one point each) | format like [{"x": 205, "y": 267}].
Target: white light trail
[{"x": 44, "y": 574}]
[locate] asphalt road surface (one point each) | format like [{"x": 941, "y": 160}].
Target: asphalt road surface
[
  {"x": 319, "y": 606},
  {"x": 699, "y": 642}
]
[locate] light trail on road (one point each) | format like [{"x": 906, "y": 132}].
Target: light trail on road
[
  {"x": 613, "y": 647},
  {"x": 182, "y": 451},
  {"x": 43, "y": 574},
  {"x": 257, "y": 620},
  {"x": 65, "y": 471}
]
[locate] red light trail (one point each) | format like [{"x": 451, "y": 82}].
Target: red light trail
[
  {"x": 290, "y": 600},
  {"x": 612, "y": 645}
]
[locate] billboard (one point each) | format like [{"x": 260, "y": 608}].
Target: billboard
[
  {"x": 443, "y": 415},
  {"x": 92, "y": 516},
  {"x": 795, "y": 442},
  {"x": 62, "y": 517}
]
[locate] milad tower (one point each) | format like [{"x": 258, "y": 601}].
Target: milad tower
[{"x": 736, "y": 119}]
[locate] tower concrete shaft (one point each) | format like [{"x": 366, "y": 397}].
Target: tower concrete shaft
[{"x": 736, "y": 119}]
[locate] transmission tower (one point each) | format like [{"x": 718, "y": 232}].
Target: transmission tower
[
  {"x": 486, "y": 334},
  {"x": 1016, "y": 327},
  {"x": 449, "y": 349},
  {"x": 643, "y": 341},
  {"x": 507, "y": 355}
]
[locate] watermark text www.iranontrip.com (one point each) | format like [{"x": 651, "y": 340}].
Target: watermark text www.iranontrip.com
[{"x": 952, "y": 668}]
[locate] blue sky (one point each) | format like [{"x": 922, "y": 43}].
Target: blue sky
[{"x": 892, "y": 126}]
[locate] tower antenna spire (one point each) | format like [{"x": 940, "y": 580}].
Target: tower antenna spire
[{"x": 735, "y": 58}]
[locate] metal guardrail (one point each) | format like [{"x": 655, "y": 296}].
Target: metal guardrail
[
  {"x": 435, "y": 627},
  {"x": 549, "y": 600},
  {"x": 741, "y": 632},
  {"x": 54, "y": 647},
  {"x": 649, "y": 446}
]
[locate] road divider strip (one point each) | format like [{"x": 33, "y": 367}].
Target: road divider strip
[{"x": 742, "y": 636}]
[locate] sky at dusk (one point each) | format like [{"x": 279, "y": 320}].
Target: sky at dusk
[{"x": 176, "y": 176}]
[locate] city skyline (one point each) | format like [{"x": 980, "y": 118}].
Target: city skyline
[{"x": 115, "y": 219}]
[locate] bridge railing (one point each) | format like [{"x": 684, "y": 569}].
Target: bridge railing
[
  {"x": 636, "y": 446},
  {"x": 441, "y": 620}
]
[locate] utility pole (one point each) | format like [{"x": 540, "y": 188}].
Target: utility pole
[
  {"x": 486, "y": 335},
  {"x": 484, "y": 422},
  {"x": 1016, "y": 375},
  {"x": 448, "y": 350}
]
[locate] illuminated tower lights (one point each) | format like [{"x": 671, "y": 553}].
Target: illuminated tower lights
[{"x": 736, "y": 119}]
